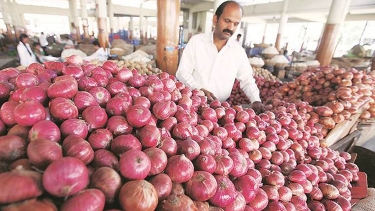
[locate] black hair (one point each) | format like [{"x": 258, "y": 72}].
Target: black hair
[
  {"x": 239, "y": 35},
  {"x": 222, "y": 6},
  {"x": 22, "y": 36},
  {"x": 96, "y": 43},
  {"x": 35, "y": 44}
]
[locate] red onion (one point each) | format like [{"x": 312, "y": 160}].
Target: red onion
[
  {"x": 100, "y": 139},
  {"x": 12, "y": 147},
  {"x": 225, "y": 193},
  {"x": 89, "y": 199},
  {"x": 202, "y": 186},
  {"x": 134, "y": 164},
  {"x": 41, "y": 152},
  {"x": 108, "y": 181},
  {"x": 65, "y": 177},
  {"x": 158, "y": 160},
  {"x": 95, "y": 116},
  {"x": 28, "y": 113},
  {"x": 162, "y": 184},
  {"x": 18, "y": 179},
  {"x": 179, "y": 168},
  {"x": 105, "y": 158},
  {"x": 138, "y": 195},
  {"x": 77, "y": 147},
  {"x": 205, "y": 162}
]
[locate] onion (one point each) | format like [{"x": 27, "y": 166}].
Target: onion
[
  {"x": 329, "y": 191},
  {"x": 134, "y": 164},
  {"x": 41, "y": 152},
  {"x": 138, "y": 116},
  {"x": 123, "y": 143},
  {"x": 158, "y": 160},
  {"x": 149, "y": 136},
  {"x": 95, "y": 116},
  {"x": 202, "y": 186},
  {"x": 75, "y": 146},
  {"x": 205, "y": 162},
  {"x": 65, "y": 177},
  {"x": 100, "y": 139},
  {"x": 331, "y": 205},
  {"x": 239, "y": 164},
  {"x": 18, "y": 179},
  {"x": 177, "y": 202},
  {"x": 224, "y": 164},
  {"x": 32, "y": 204},
  {"x": 138, "y": 195},
  {"x": 162, "y": 184},
  {"x": 179, "y": 168},
  {"x": 225, "y": 193},
  {"x": 104, "y": 158},
  {"x": 89, "y": 199},
  {"x": 108, "y": 181},
  {"x": 168, "y": 145},
  {"x": 189, "y": 148},
  {"x": 260, "y": 201},
  {"x": 25, "y": 116},
  {"x": 247, "y": 186},
  {"x": 316, "y": 205}
]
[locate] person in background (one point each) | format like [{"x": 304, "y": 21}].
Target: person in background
[
  {"x": 211, "y": 62},
  {"x": 99, "y": 54},
  {"x": 43, "y": 42},
  {"x": 239, "y": 37},
  {"x": 285, "y": 53},
  {"x": 25, "y": 53}
]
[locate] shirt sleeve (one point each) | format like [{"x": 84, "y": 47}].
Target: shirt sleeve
[
  {"x": 186, "y": 67},
  {"x": 247, "y": 81}
]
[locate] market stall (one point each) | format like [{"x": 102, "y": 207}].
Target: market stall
[{"x": 97, "y": 131}]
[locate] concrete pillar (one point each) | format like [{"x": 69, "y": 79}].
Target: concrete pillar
[
  {"x": 102, "y": 23},
  {"x": 190, "y": 25},
  {"x": 18, "y": 23},
  {"x": 336, "y": 17},
  {"x": 168, "y": 12},
  {"x": 282, "y": 24},
  {"x": 264, "y": 33},
  {"x": 6, "y": 17},
  {"x": 246, "y": 27},
  {"x": 84, "y": 19},
  {"x": 110, "y": 15},
  {"x": 74, "y": 20},
  {"x": 141, "y": 24},
  {"x": 131, "y": 28}
]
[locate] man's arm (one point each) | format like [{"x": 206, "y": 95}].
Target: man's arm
[{"x": 186, "y": 67}]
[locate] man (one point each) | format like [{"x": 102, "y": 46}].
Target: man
[
  {"x": 43, "y": 42},
  {"x": 25, "y": 53},
  {"x": 99, "y": 54},
  {"x": 211, "y": 62}
]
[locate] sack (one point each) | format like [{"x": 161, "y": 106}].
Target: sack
[{"x": 366, "y": 204}]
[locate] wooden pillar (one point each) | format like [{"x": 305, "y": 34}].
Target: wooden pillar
[
  {"x": 168, "y": 14},
  {"x": 102, "y": 23},
  {"x": 337, "y": 13},
  {"x": 282, "y": 24},
  {"x": 373, "y": 64},
  {"x": 84, "y": 19}
]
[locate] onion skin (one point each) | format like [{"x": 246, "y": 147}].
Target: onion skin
[
  {"x": 108, "y": 181},
  {"x": 134, "y": 165},
  {"x": 17, "y": 180},
  {"x": 12, "y": 148},
  {"x": 138, "y": 195},
  {"x": 163, "y": 185},
  {"x": 66, "y": 176},
  {"x": 202, "y": 186},
  {"x": 225, "y": 193},
  {"x": 32, "y": 204},
  {"x": 45, "y": 129},
  {"x": 177, "y": 202},
  {"x": 42, "y": 152},
  {"x": 89, "y": 199},
  {"x": 179, "y": 168}
]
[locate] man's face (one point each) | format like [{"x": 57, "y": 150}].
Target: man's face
[{"x": 227, "y": 24}]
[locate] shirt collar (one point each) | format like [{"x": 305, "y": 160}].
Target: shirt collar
[{"x": 209, "y": 37}]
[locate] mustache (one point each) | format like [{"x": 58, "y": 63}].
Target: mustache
[{"x": 229, "y": 31}]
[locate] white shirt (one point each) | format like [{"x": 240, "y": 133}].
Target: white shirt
[
  {"x": 202, "y": 66},
  {"x": 100, "y": 55},
  {"x": 25, "y": 58},
  {"x": 43, "y": 40}
]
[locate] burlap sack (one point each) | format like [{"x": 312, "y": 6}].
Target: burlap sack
[
  {"x": 149, "y": 49},
  {"x": 366, "y": 204},
  {"x": 119, "y": 43}
]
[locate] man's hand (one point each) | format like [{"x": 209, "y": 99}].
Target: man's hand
[
  {"x": 258, "y": 107},
  {"x": 209, "y": 95}
]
